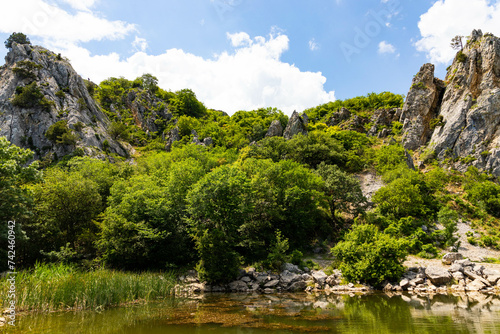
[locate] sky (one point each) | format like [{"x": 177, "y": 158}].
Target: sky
[{"x": 248, "y": 54}]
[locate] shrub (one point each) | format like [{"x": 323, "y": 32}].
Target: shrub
[
  {"x": 277, "y": 254},
  {"x": 367, "y": 255},
  {"x": 461, "y": 57},
  {"x": 60, "y": 133},
  {"x": 30, "y": 96},
  {"x": 26, "y": 69}
]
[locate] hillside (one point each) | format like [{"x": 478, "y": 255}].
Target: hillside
[{"x": 136, "y": 177}]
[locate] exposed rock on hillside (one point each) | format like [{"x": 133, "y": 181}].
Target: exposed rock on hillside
[
  {"x": 465, "y": 122},
  {"x": 38, "y": 89},
  {"x": 295, "y": 126},
  {"x": 275, "y": 129},
  {"x": 421, "y": 107}
]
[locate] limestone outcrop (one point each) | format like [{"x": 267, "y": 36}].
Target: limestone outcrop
[
  {"x": 465, "y": 122},
  {"x": 39, "y": 89}
]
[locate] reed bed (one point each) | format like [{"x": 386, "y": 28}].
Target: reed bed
[{"x": 53, "y": 287}]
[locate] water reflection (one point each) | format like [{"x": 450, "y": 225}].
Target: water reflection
[{"x": 282, "y": 313}]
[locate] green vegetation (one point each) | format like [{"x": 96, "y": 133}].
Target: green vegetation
[
  {"x": 419, "y": 85},
  {"x": 30, "y": 96},
  {"x": 61, "y": 287},
  {"x": 461, "y": 57},
  {"x": 26, "y": 69},
  {"x": 60, "y": 133},
  {"x": 246, "y": 199}
]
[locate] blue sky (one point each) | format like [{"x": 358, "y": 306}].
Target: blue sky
[{"x": 245, "y": 54}]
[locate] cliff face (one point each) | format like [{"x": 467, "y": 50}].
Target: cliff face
[
  {"x": 38, "y": 89},
  {"x": 466, "y": 121}
]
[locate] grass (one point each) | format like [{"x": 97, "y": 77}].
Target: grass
[{"x": 50, "y": 287}]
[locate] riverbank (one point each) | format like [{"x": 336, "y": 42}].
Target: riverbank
[{"x": 452, "y": 274}]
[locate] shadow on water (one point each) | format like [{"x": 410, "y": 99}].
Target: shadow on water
[{"x": 280, "y": 313}]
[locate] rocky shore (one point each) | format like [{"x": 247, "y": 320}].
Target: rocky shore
[{"x": 457, "y": 275}]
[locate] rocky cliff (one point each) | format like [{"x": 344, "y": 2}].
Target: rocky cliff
[
  {"x": 459, "y": 119},
  {"x": 45, "y": 106}
]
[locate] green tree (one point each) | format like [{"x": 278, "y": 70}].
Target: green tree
[
  {"x": 367, "y": 255},
  {"x": 456, "y": 43},
  {"x": 186, "y": 103},
  {"x": 218, "y": 205},
  {"x": 16, "y": 198},
  {"x": 343, "y": 191},
  {"x": 17, "y": 37}
]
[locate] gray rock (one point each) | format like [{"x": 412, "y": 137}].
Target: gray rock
[
  {"x": 297, "y": 286},
  {"x": 464, "y": 263},
  {"x": 421, "y": 106},
  {"x": 246, "y": 279},
  {"x": 476, "y": 285},
  {"x": 271, "y": 284},
  {"x": 287, "y": 277},
  {"x": 295, "y": 126},
  {"x": 404, "y": 283},
  {"x": 455, "y": 267},
  {"x": 338, "y": 117},
  {"x": 26, "y": 126},
  {"x": 438, "y": 276},
  {"x": 275, "y": 129},
  {"x": 291, "y": 268},
  {"x": 457, "y": 276},
  {"x": 208, "y": 141},
  {"x": 319, "y": 276},
  {"x": 449, "y": 258},
  {"x": 239, "y": 286},
  {"x": 173, "y": 136}
]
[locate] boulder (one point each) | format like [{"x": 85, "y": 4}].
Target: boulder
[
  {"x": 476, "y": 285},
  {"x": 438, "y": 276},
  {"x": 291, "y": 268},
  {"x": 238, "y": 286},
  {"x": 404, "y": 283},
  {"x": 287, "y": 278},
  {"x": 449, "y": 258},
  {"x": 297, "y": 286},
  {"x": 272, "y": 284},
  {"x": 338, "y": 117},
  {"x": 275, "y": 129},
  {"x": 319, "y": 276}
]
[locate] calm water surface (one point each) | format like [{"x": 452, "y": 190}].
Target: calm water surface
[{"x": 283, "y": 313}]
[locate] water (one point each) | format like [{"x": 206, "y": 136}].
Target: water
[{"x": 282, "y": 313}]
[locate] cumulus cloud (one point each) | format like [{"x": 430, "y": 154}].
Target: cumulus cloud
[
  {"x": 384, "y": 47},
  {"x": 448, "y": 18},
  {"x": 54, "y": 25},
  {"x": 250, "y": 77}
]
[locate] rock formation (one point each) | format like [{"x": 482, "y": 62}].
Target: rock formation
[
  {"x": 421, "y": 107},
  {"x": 464, "y": 122},
  {"x": 295, "y": 126},
  {"x": 38, "y": 89},
  {"x": 275, "y": 129}
]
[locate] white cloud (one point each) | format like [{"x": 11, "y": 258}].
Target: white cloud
[
  {"x": 251, "y": 77},
  {"x": 80, "y": 4},
  {"x": 448, "y": 18},
  {"x": 384, "y": 47},
  {"x": 140, "y": 44},
  {"x": 55, "y": 26},
  {"x": 239, "y": 39},
  {"x": 313, "y": 45}
]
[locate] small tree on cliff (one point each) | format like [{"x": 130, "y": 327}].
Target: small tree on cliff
[
  {"x": 17, "y": 37},
  {"x": 456, "y": 43}
]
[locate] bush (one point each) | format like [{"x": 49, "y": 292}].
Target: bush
[
  {"x": 277, "y": 254},
  {"x": 461, "y": 57},
  {"x": 30, "y": 96},
  {"x": 60, "y": 133},
  {"x": 367, "y": 255}
]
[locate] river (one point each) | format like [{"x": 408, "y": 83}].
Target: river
[{"x": 280, "y": 313}]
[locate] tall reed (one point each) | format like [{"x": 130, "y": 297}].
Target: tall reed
[{"x": 50, "y": 287}]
